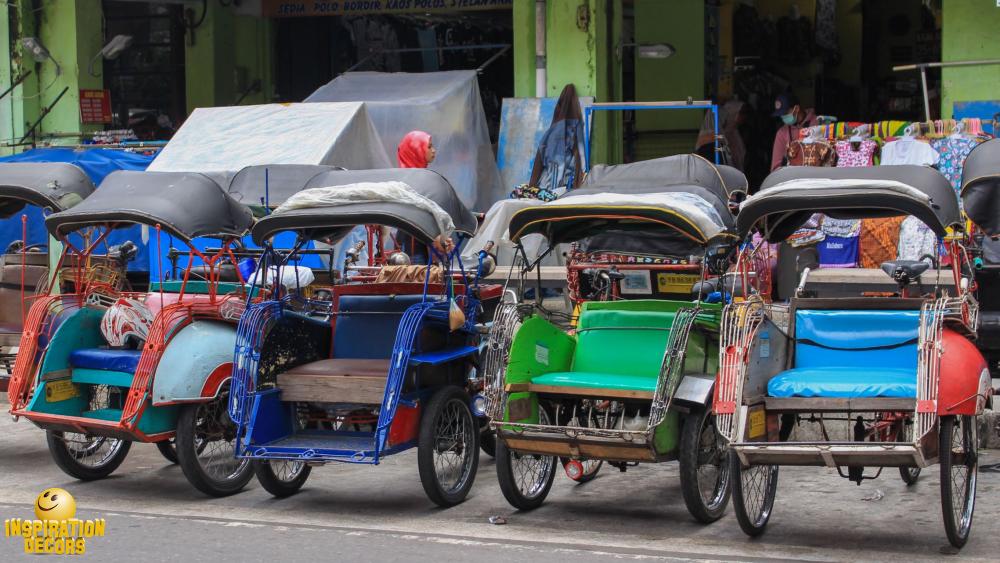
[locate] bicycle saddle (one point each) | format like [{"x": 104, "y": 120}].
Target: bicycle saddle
[{"x": 904, "y": 271}]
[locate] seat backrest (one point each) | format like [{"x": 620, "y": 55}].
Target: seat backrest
[
  {"x": 856, "y": 338},
  {"x": 622, "y": 342},
  {"x": 366, "y": 324}
]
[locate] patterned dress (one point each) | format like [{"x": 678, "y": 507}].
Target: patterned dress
[{"x": 953, "y": 151}]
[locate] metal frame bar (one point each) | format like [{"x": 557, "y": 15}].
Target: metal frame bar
[
  {"x": 922, "y": 67},
  {"x": 636, "y": 106}
]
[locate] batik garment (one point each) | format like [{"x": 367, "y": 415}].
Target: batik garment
[
  {"x": 811, "y": 154},
  {"x": 916, "y": 240},
  {"x": 848, "y": 156},
  {"x": 879, "y": 241},
  {"x": 839, "y": 248}
]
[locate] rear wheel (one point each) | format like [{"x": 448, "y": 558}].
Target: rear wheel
[
  {"x": 488, "y": 441},
  {"x": 959, "y": 469},
  {"x": 86, "y": 457},
  {"x": 904, "y": 433},
  {"x": 525, "y": 479},
  {"x": 704, "y": 468},
  {"x": 448, "y": 447},
  {"x": 206, "y": 448},
  {"x": 168, "y": 449},
  {"x": 281, "y": 478},
  {"x": 754, "y": 489}
]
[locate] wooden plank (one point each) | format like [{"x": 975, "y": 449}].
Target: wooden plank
[
  {"x": 368, "y": 390},
  {"x": 589, "y": 449},
  {"x": 821, "y": 404},
  {"x": 517, "y": 387},
  {"x": 589, "y": 392}
]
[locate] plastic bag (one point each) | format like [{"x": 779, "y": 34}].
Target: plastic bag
[
  {"x": 456, "y": 318},
  {"x": 292, "y": 277}
]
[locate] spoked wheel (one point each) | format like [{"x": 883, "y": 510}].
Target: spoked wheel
[
  {"x": 525, "y": 479},
  {"x": 704, "y": 468},
  {"x": 168, "y": 449},
  {"x": 280, "y": 477},
  {"x": 206, "y": 447},
  {"x": 904, "y": 433},
  {"x": 579, "y": 470},
  {"x": 88, "y": 457},
  {"x": 754, "y": 488},
  {"x": 959, "y": 451},
  {"x": 448, "y": 447}
]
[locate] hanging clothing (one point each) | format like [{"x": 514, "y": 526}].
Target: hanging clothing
[
  {"x": 839, "y": 248},
  {"x": 811, "y": 154},
  {"x": 878, "y": 241},
  {"x": 916, "y": 240},
  {"x": 848, "y": 157},
  {"x": 558, "y": 162},
  {"x": 909, "y": 150},
  {"x": 953, "y": 151}
]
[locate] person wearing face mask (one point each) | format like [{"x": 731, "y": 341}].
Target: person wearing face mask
[{"x": 793, "y": 119}]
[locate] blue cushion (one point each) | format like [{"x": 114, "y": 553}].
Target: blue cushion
[
  {"x": 106, "y": 359},
  {"x": 859, "y": 338},
  {"x": 367, "y": 324},
  {"x": 844, "y": 382}
]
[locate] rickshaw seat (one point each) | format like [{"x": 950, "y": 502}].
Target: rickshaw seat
[
  {"x": 366, "y": 325},
  {"x": 616, "y": 350},
  {"x": 852, "y": 354},
  {"x": 336, "y": 380},
  {"x": 107, "y": 359}
]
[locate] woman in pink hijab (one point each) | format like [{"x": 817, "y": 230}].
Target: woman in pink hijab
[{"x": 416, "y": 150}]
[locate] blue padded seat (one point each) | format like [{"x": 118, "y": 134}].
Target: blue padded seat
[
  {"x": 367, "y": 324},
  {"x": 852, "y": 354},
  {"x": 106, "y": 359}
]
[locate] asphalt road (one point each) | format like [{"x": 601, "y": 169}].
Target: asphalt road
[{"x": 361, "y": 513}]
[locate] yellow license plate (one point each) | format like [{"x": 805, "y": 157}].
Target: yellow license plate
[
  {"x": 758, "y": 423},
  {"x": 675, "y": 283},
  {"x": 60, "y": 390}
]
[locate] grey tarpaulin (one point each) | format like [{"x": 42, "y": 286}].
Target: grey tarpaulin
[
  {"x": 446, "y": 105},
  {"x": 219, "y": 142}
]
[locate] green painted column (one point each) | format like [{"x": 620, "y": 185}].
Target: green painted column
[
  {"x": 969, "y": 32},
  {"x": 524, "y": 48}
]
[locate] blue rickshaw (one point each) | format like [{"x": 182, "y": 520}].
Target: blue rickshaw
[{"x": 355, "y": 372}]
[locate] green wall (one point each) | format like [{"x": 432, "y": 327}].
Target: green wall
[
  {"x": 524, "y": 48},
  {"x": 680, "y": 23},
  {"x": 969, "y": 32},
  {"x": 230, "y": 51}
]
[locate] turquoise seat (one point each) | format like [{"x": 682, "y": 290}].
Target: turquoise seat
[
  {"x": 618, "y": 349},
  {"x": 852, "y": 354}
]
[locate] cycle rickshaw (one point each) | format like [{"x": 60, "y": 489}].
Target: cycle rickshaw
[
  {"x": 899, "y": 376},
  {"x": 356, "y": 372},
  {"x": 100, "y": 368},
  {"x": 631, "y": 382}
]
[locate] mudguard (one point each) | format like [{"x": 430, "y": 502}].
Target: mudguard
[
  {"x": 695, "y": 389},
  {"x": 964, "y": 384},
  {"x": 196, "y": 361}
]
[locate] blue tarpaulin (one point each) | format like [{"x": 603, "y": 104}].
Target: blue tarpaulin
[{"x": 96, "y": 163}]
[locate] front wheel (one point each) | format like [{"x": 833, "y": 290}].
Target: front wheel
[
  {"x": 754, "y": 489},
  {"x": 525, "y": 479},
  {"x": 448, "y": 447},
  {"x": 909, "y": 475},
  {"x": 958, "y": 448},
  {"x": 86, "y": 457},
  {"x": 488, "y": 441},
  {"x": 206, "y": 448},
  {"x": 704, "y": 468},
  {"x": 168, "y": 449},
  {"x": 281, "y": 478}
]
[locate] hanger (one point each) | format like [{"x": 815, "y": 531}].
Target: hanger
[
  {"x": 957, "y": 131},
  {"x": 860, "y": 133},
  {"x": 810, "y": 136},
  {"x": 910, "y": 132}
]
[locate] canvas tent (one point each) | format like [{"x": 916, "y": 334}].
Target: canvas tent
[
  {"x": 446, "y": 105},
  {"x": 221, "y": 141}
]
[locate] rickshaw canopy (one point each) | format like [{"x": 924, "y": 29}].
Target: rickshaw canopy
[
  {"x": 682, "y": 169},
  {"x": 333, "y": 204},
  {"x": 52, "y": 185},
  {"x": 184, "y": 204},
  {"x": 981, "y": 187},
  {"x": 273, "y": 184},
  {"x": 789, "y": 196}
]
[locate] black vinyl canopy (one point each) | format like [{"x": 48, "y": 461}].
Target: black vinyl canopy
[
  {"x": 682, "y": 169},
  {"x": 334, "y": 222},
  {"x": 52, "y": 185},
  {"x": 185, "y": 204},
  {"x": 981, "y": 187},
  {"x": 791, "y": 195},
  {"x": 273, "y": 183}
]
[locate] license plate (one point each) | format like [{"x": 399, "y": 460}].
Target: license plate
[
  {"x": 758, "y": 423},
  {"x": 60, "y": 390},
  {"x": 675, "y": 283}
]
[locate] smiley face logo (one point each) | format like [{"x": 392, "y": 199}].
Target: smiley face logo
[{"x": 55, "y": 504}]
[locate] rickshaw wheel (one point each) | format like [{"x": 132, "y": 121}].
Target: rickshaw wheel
[
  {"x": 525, "y": 479},
  {"x": 754, "y": 489},
  {"x": 909, "y": 475},
  {"x": 448, "y": 447},
  {"x": 705, "y": 470},
  {"x": 959, "y": 455},
  {"x": 281, "y": 478},
  {"x": 168, "y": 450},
  {"x": 206, "y": 447},
  {"x": 86, "y": 457},
  {"x": 488, "y": 442}
]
